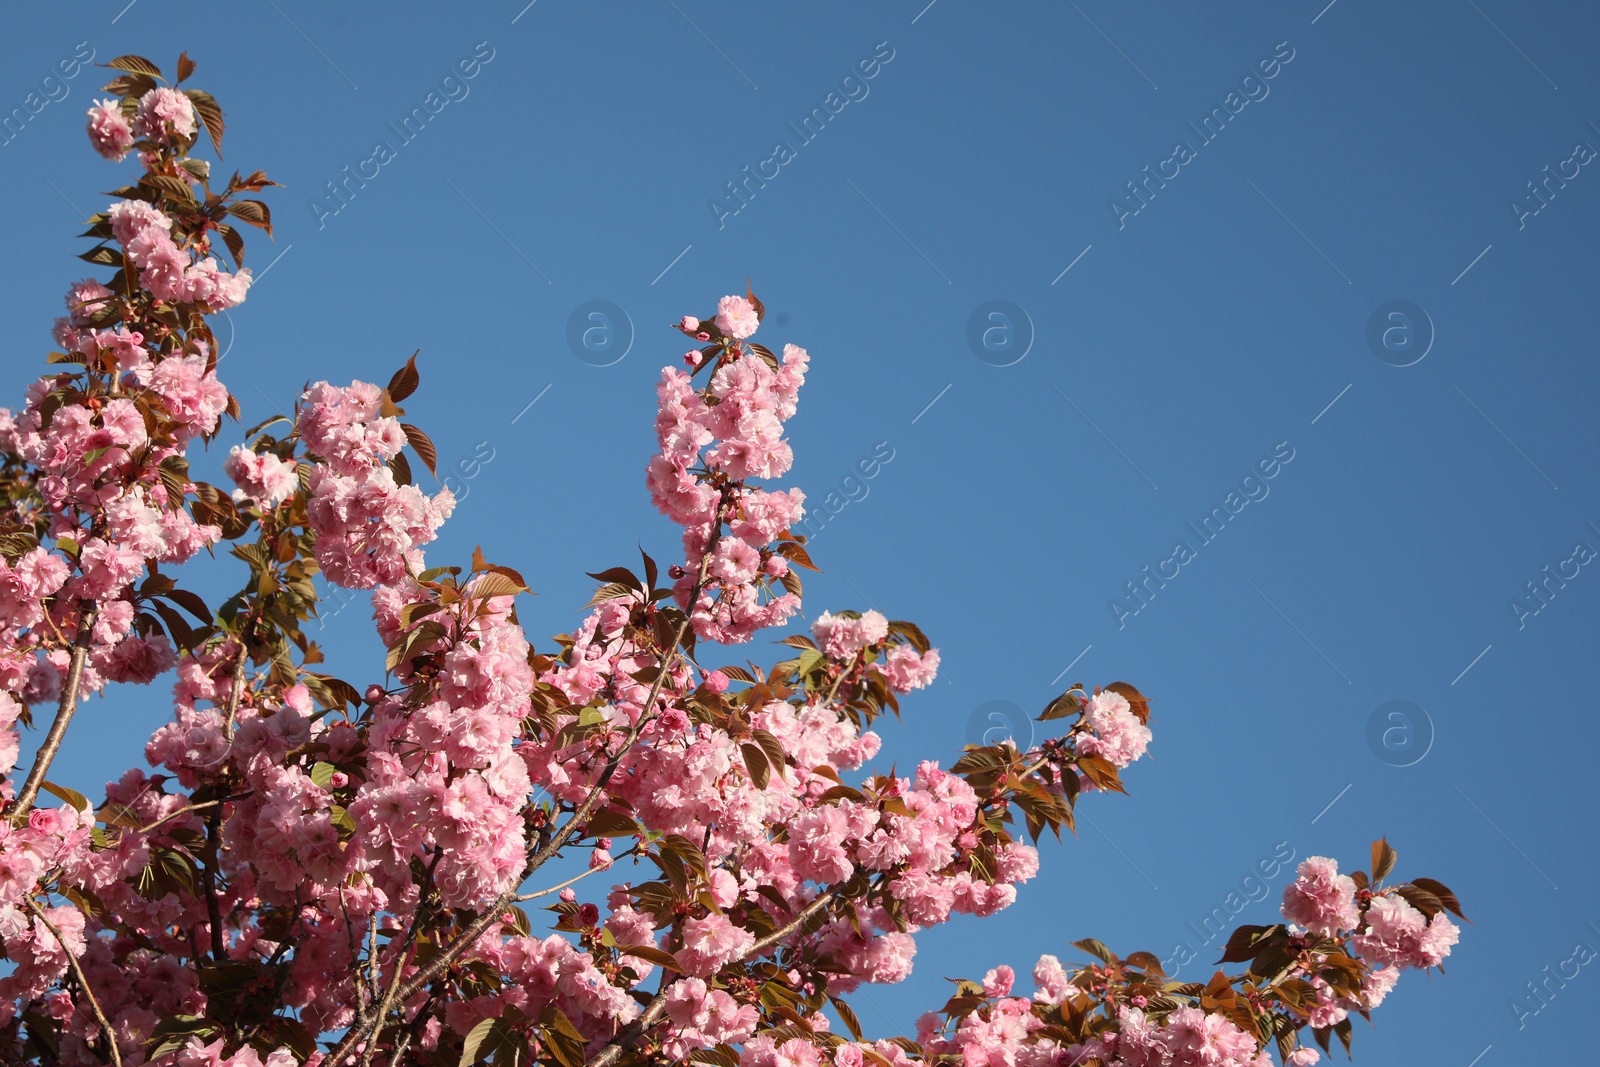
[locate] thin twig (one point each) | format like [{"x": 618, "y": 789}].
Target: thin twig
[
  {"x": 492, "y": 914},
  {"x": 77, "y": 972},
  {"x": 571, "y": 881},
  {"x": 188, "y": 808},
  {"x": 658, "y": 1004},
  {"x": 384, "y": 1006},
  {"x": 64, "y": 712}
]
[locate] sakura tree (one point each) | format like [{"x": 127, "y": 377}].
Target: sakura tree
[{"x": 313, "y": 870}]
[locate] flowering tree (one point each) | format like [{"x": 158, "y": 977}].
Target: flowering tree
[{"x": 320, "y": 872}]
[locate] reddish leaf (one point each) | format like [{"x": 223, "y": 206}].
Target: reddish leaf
[
  {"x": 424, "y": 446},
  {"x": 405, "y": 380}
]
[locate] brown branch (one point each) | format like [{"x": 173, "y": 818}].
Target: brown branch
[
  {"x": 384, "y": 1005},
  {"x": 77, "y": 972},
  {"x": 189, "y": 808},
  {"x": 64, "y": 711},
  {"x": 235, "y": 690},
  {"x": 491, "y": 915},
  {"x": 212, "y": 868},
  {"x": 658, "y": 1004}
]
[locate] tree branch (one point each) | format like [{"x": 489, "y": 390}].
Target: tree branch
[
  {"x": 77, "y": 972},
  {"x": 491, "y": 915},
  {"x": 235, "y": 691},
  {"x": 64, "y": 712},
  {"x": 658, "y": 1004}
]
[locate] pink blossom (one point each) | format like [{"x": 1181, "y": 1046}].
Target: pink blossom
[
  {"x": 1320, "y": 898},
  {"x": 1397, "y": 933},
  {"x": 260, "y": 476},
  {"x": 164, "y": 115},
  {"x": 711, "y": 942},
  {"x": 997, "y": 981},
  {"x": 842, "y": 636},
  {"x": 905, "y": 669},
  {"x": 1118, "y": 735},
  {"x": 109, "y": 132},
  {"x": 736, "y": 317},
  {"x": 735, "y": 562},
  {"x": 84, "y": 300}
]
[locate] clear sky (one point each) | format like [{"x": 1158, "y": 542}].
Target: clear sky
[{"x": 1154, "y": 353}]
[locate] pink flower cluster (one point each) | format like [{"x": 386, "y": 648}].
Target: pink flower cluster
[
  {"x": 50, "y": 838},
  {"x": 260, "y": 476},
  {"x": 844, "y": 636},
  {"x": 841, "y": 637},
  {"x": 1118, "y": 736},
  {"x": 109, "y": 132},
  {"x": 1320, "y": 898},
  {"x": 165, "y": 270},
  {"x": 164, "y": 115},
  {"x": 1398, "y": 934},
  {"x": 736, "y": 317},
  {"x": 368, "y": 526},
  {"x": 1389, "y": 933},
  {"x": 1188, "y": 1037},
  {"x": 738, "y": 425}
]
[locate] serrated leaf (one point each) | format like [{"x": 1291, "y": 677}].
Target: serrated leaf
[
  {"x": 796, "y": 553},
  {"x": 1096, "y": 949},
  {"x": 755, "y": 760},
  {"x": 1446, "y": 897},
  {"x": 134, "y": 65},
  {"x": 254, "y": 212},
  {"x": 1383, "y": 858},
  {"x": 424, "y": 446},
  {"x": 406, "y": 379},
  {"x": 650, "y": 953},
  {"x": 610, "y": 591},
  {"x": 401, "y": 469},
  {"x": 210, "y": 112},
  {"x": 496, "y": 583}
]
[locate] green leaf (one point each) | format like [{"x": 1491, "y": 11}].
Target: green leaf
[
  {"x": 1096, "y": 949},
  {"x": 71, "y": 796},
  {"x": 472, "y": 1050}
]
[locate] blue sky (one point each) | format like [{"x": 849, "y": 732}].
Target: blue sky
[{"x": 1146, "y": 364}]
